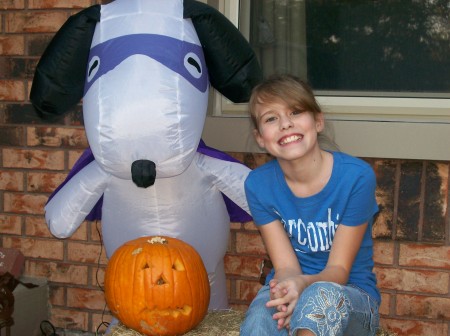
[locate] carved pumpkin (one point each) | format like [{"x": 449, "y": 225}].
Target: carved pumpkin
[{"x": 157, "y": 286}]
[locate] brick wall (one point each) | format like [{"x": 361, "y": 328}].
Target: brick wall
[{"x": 411, "y": 233}]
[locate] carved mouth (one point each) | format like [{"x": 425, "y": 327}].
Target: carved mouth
[
  {"x": 153, "y": 315},
  {"x": 174, "y": 312}
]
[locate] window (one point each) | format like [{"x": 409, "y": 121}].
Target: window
[
  {"x": 359, "y": 48},
  {"x": 380, "y": 69}
]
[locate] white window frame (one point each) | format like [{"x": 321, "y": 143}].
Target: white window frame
[{"x": 379, "y": 127}]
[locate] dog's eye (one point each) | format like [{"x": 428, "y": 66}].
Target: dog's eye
[
  {"x": 193, "y": 64},
  {"x": 94, "y": 65}
]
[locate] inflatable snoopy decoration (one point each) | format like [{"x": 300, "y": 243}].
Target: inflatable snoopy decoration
[{"x": 143, "y": 69}]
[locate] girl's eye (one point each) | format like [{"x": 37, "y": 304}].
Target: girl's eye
[
  {"x": 269, "y": 119},
  {"x": 296, "y": 112}
]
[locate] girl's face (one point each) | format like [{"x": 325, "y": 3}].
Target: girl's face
[{"x": 286, "y": 133}]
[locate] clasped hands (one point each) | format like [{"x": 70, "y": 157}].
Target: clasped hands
[{"x": 284, "y": 294}]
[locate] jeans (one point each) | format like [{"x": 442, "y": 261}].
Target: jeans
[{"x": 325, "y": 308}]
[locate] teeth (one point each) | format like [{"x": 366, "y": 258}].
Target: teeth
[{"x": 290, "y": 139}]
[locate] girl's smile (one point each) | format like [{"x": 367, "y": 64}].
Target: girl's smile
[{"x": 290, "y": 139}]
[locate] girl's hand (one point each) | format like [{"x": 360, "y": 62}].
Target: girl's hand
[
  {"x": 284, "y": 296},
  {"x": 276, "y": 294}
]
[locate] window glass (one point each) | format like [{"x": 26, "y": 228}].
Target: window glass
[{"x": 397, "y": 48}]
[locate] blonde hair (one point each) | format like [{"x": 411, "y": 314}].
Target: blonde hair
[{"x": 292, "y": 91}]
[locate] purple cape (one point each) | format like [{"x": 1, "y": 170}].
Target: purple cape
[{"x": 237, "y": 214}]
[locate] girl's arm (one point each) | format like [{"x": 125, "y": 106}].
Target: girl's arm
[
  {"x": 346, "y": 244},
  {"x": 280, "y": 250},
  {"x": 286, "y": 267}
]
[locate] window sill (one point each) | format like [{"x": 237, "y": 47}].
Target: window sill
[{"x": 361, "y": 138}]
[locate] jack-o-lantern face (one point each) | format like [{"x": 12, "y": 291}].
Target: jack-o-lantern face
[{"x": 157, "y": 286}]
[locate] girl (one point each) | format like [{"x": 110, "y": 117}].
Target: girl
[{"x": 314, "y": 210}]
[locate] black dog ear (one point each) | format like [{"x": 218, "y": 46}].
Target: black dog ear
[
  {"x": 58, "y": 81},
  {"x": 232, "y": 65}
]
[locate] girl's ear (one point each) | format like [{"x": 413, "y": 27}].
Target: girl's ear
[
  {"x": 258, "y": 138},
  {"x": 320, "y": 122}
]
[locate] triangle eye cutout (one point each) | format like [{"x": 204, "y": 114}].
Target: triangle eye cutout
[
  {"x": 178, "y": 265},
  {"x": 147, "y": 265},
  {"x": 161, "y": 281}
]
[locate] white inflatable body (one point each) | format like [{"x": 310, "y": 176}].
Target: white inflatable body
[{"x": 143, "y": 104}]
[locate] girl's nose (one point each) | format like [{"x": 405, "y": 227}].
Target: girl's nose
[{"x": 285, "y": 122}]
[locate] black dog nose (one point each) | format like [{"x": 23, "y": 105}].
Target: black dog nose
[{"x": 143, "y": 173}]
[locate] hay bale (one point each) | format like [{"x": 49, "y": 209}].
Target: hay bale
[{"x": 223, "y": 322}]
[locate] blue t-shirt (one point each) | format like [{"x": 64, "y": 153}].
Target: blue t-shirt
[{"x": 311, "y": 222}]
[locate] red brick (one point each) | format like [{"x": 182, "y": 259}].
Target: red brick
[
  {"x": 56, "y": 137},
  {"x": 408, "y": 210},
  {"x": 22, "y": 113},
  {"x": 57, "y": 295},
  {"x": 33, "y": 159},
  {"x": 98, "y": 276},
  {"x": 11, "y": 180},
  {"x": 100, "y": 321},
  {"x": 12, "y": 4},
  {"x": 37, "y": 227},
  {"x": 435, "y": 202},
  {"x": 12, "y": 45},
  {"x": 24, "y": 204},
  {"x": 69, "y": 319},
  {"x": 36, "y": 248},
  {"x": 231, "y": 242},
  {"x": 86, "y": 253},
  {"x": 80, "y": 233},
  {"x": 422, "y": 255},
  {"x": 84, "y": 298},
  {"x": 235, "y": 226},
  {"x": 230, "y": 287},
  {"x": 48, "y": 4},
  {"x": 414, "y": 328},
  {"x": 413, "y": 280},
  {"x": 383, "y": 252},
  {"x": 385, "y": 304},
  {"x": 385, "y": 172},
  {"x": 249, "y": 243},
  {"x": 243, "y": 266},
  {"x": 423, "y": 306},
  {"x": 12, "y": 90},
  {"x": 250, "y": 226},
  {"x": 35, "y": 45},
  {"x": 74, "y": 156},
  {"x": 58, "y": 272},
  {"x": 237, "y": 156},
  {"x": 11, "y": 135},
  {"x": 10, "y": 224},
  {"x": 95, "y": 230},
  {"x": 34, "y": 22},
  {"x": 252, "y": 160},
  {"x": 246, "y": 290},
  {"x": 17, "y": 67},
  {"x": 44, "y": 182}
]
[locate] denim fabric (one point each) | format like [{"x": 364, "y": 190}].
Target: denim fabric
[{"x": 325, "y": 308}]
